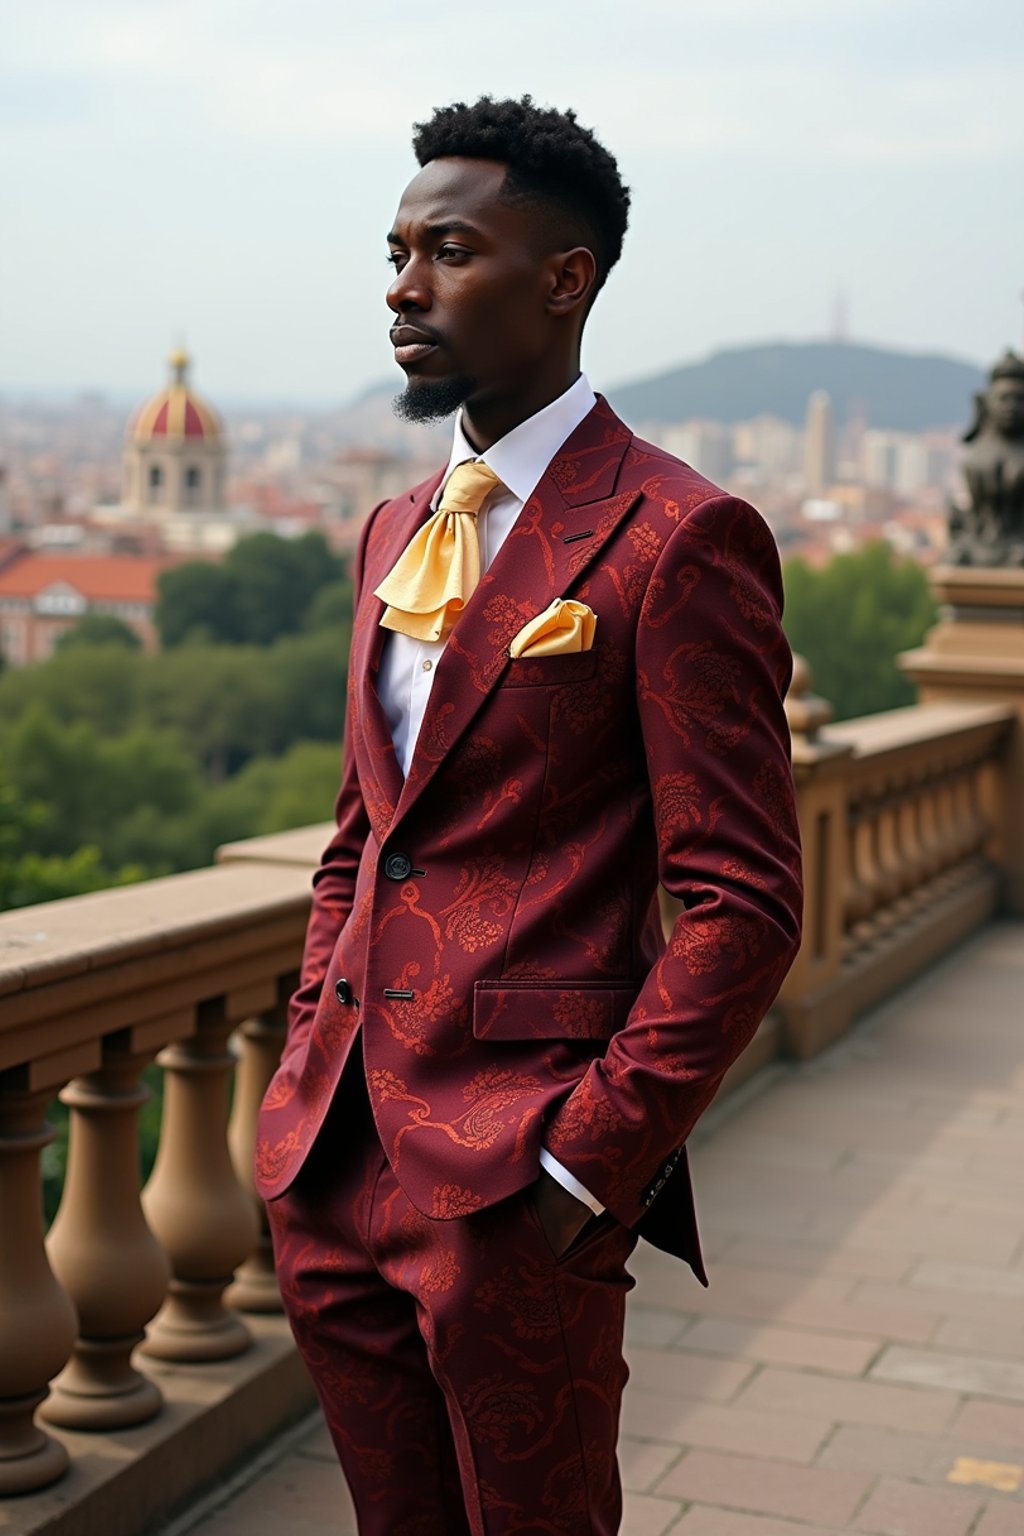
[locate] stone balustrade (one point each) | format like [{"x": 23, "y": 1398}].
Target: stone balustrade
[{"x": 901, "y": 816}]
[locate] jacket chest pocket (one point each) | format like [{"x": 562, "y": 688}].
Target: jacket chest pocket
[{"x": 548, "y": 671}]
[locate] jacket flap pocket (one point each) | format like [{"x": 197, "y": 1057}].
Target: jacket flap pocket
[
  {"x": 568, "y": 1010},
  {"x": 536, "y": 671}
]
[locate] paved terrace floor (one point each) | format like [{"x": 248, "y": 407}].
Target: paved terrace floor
[{"x": 858, "y": 1363}]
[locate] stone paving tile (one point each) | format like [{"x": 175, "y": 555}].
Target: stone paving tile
[
  {"x": 819, "y": 1260},
  {"x": 1002, "y": 1424},
  {"x": 766, "y": 1487},
  {"x": 831, "y": 1352},
  {"x": 298, "y": 1495},
  {"x": 643, "y": 1462},
  {"x": 690, "y": 1375},
  {"x": 850, "y": 1402},
  {"x": 699, "y": 1520},
  {"x": 644, "y": 1516},
  {"x": 787, "y": 1437},
  {"x": 974, "y": 1337},
  {"x": 998, "y": 1520},
  {"x": 950, "y": 1302},
  {"x": 656, "y": 1326},
  {"x": 901, "y": 1509},
  {"x": 901, "y": 1453},
  {"x": 978, "y": 1374}
]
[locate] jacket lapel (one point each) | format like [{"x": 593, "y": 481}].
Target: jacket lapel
[
  {"x": 559, "y": 532},
  {"x": 380, "y": 774}
]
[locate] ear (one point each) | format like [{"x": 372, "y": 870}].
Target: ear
[{"x": 571, "y": 278}]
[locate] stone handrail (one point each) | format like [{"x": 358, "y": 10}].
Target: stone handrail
[
  {"x": 901, "y": 823},
  {"x": 90, "y": 990}
]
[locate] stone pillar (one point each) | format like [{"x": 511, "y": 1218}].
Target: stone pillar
[
  {"x": 104, "y": 1254},
  {"x": 37, "y": 1319},
  {"x": 206, "y": 1222},
  {"x": 976, "y": 653},
  {"x": 259, "y": 1041}
]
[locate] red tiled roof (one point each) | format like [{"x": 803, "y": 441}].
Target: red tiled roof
[{"x": 99, "y": 578}]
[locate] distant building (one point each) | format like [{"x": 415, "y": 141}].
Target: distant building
[
  {"x": 43, "y": 595},
  {"x": 705, "y": 445},
  {"x": 173, "y": 472},
  {"x": 819, "y": 445}
]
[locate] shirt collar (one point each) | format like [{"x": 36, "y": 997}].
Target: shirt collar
[{"x": 520, "y": 458}]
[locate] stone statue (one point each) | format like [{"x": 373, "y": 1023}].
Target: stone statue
[{"x": 990, "y": 531}]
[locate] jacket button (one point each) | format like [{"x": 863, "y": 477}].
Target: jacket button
[
  {"x": 398, "y": 866},
  {"x": 343, "y": 989}
]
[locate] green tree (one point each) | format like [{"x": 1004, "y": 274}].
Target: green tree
[
  {"x": 197, "y": 597},
  {"x": 100, "y": 684},
  {"x": 100, "y": 629},
  {"x": 331, "y": 608},
  {"x": 851, "y": 619},
  {"x": 277, "y": 580},
  {"x": 27, "y": 876}
]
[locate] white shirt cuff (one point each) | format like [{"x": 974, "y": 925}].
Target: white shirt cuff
[{"x": 565, "y": 1178}]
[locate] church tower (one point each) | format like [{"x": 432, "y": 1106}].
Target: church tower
[{"x": 174, "y": 454}]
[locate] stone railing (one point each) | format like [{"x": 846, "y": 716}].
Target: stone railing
[
  {"x": 132, "y": 1305},
  {"x": 902, "y": 817},
  {"x": 129, "y": 1286}
]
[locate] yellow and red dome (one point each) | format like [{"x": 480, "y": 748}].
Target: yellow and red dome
[{"x": 176, "y": 412}]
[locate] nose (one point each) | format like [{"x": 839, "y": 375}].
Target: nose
[{"x": 409, "y": 289}]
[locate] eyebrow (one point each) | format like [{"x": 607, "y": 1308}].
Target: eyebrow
[{"x": 433, "y": 231}]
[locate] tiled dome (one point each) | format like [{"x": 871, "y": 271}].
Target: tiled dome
[{"x": 176, "y": 412}]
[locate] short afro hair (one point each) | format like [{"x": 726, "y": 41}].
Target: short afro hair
[{"x": 552, "y": 162}]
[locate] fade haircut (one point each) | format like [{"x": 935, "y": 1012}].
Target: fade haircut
[{"x": 552, "y": 163}]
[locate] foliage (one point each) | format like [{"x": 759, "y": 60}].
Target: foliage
[
  {"x": 851, "y": 619},
  {"x": 100, "y": 629},
  {"x": 262, "y": 591}
]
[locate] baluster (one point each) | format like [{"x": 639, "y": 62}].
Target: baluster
[
  {"x": 103, "y": 1252},
  {"x": 863, "y": 901},
  {"x": 945, "y": 819},
  {"x": 931, "y": 838},
  {"x": 37, "y": 1318},
  {"x": 890, "y": 872},
  {"x": 205, "y": 1220},
  {"x": 259, "y": 1041}
]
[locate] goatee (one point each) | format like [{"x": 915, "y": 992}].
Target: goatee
[{"x": 432, "y": 399}]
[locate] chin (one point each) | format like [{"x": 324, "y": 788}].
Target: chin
[{"x": 427, "y": 400}]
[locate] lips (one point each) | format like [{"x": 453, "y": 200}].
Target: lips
[{"x": 411, "y": 344}]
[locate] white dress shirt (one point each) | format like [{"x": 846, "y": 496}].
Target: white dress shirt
[{"x": 519, "y": 459}]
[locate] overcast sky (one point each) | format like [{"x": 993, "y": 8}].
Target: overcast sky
[{"x": 227, "y": 170}]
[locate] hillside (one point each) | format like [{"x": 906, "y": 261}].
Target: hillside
[{"x": 901, "y": 391}]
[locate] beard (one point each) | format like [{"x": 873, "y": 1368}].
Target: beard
[{"x": 432, "y": 399}]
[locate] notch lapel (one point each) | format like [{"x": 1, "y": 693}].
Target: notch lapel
[
  {"x": 380, "y": 773},
  {"x": 535, "y": 564}
]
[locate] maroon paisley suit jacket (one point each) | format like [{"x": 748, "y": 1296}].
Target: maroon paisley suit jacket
[{"x": 486, "y": 930}]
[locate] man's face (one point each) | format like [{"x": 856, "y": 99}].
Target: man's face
[{"x": 469, "y": 289}]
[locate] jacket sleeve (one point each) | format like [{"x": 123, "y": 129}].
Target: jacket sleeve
[
  {"x": 335, "y": 878},
  {"x": 712, "y": 669}
]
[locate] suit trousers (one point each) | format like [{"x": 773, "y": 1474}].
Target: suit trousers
[{"x": 471, "y": 1381}]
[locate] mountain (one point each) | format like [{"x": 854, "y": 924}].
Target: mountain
[{"x": 899, "y": 391}]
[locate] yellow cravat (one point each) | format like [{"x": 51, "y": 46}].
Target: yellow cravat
[{"x": 433, "y": 578}]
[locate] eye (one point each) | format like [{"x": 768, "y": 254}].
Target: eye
[
  {"x": 452, "y": 252},
  {"x": 395, "y": 259}
]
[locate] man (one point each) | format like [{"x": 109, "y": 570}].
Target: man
[{"x": 565, "y": 685}]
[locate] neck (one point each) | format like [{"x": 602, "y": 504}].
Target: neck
[{"x": 491, "y": 415}]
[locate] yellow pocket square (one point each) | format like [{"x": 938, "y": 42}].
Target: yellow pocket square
[{"x": 563, "y": 626}]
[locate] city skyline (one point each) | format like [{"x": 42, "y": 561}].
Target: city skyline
[{"x": 218, "y": 175}]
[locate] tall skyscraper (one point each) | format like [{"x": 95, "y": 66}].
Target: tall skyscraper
[{"x": 819, "y": 444}]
